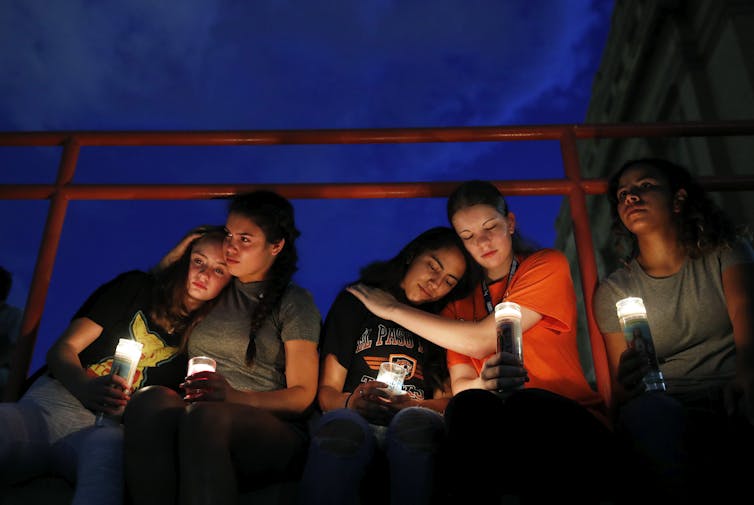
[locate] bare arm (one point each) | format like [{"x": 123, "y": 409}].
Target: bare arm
[
  {"x": 301, "y": 367},
  {"x": 369, "y": 399},
  {"x": 438, "y": 402},
  {"x": 374, "y": 404},
  {"x": 463, "y": 377},
  {"x": 331, "y": 381},
  {"x": 96, "y": 394},
  {"x": 301, "y": 377},
  {"x": 470, "y": 338},
  {"x": 738, "y": 284},
  {"x": 627, "y": 369},
  {"x": 500, "y": 372}
]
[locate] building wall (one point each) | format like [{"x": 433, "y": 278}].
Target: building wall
[{"x": 668, "y": 61}]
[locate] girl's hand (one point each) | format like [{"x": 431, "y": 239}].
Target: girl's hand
[
  {"x": 176, "y": 252},
  {"x": 632, "y": 368},
  {"x": 372, "y": 401},
  {"x": 106, "y": 393},
  {"x": 206, "y": 387},
  {"x": 402, "y": 401},
  {"x": 503, "y": 373},
  {"x": 739, "y": 398},
  {"x": 377, "y": 301}
]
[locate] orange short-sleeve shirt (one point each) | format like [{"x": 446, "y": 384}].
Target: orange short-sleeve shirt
[{"x": 543, "y": 284}]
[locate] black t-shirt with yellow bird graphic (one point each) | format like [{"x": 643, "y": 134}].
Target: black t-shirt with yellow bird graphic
[{"x": 121, "y": 307}]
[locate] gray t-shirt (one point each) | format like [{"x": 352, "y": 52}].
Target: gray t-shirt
[
  {"x": 224, "y": 335},
  {"x": 687, "y": 314}
]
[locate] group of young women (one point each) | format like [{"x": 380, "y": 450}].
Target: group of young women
[{"x": 292, "y": 398}]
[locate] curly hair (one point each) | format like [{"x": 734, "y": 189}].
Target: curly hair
[
  {"x": 169, "y": 292},
  {"x": 477, "y": 192},
  {"x": 388, "y": 275},
  {"x": 702, "y": 225},
  {"x": 274, "y": 215}
]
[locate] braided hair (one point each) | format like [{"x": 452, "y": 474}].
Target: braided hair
[{"x": 274, "y": 215}]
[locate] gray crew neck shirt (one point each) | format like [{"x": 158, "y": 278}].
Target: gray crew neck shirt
[
  {"x": 224, "y": 334},
  {"x": 687, "y": 314}
]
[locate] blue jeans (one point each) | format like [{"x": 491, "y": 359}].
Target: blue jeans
[
  {"x": 93, "y": 459},
  {"x": 50, "y": 432},
  {"x": 686, "y": 449},
  {"x": 344, "y": 444}
]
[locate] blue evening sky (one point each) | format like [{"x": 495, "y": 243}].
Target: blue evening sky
[{"x": 277, "y": 64}]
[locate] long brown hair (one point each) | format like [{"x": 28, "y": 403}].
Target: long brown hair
[
  {"x": 169, "y": 292},
  {"x": 389, "y": 274}
]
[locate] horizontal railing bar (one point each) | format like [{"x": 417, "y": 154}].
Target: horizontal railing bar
[
  {"x": 376, "y": 135},
  {"x": 535, "y": 187}
]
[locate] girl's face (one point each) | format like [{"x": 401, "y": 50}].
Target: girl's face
[
  {"x": 487, "y": 235},
  {"x": 433, "y": 274},
  {"x": 208, "y": 273},
  {"x": 247, "y": 252},
  {"x": 644, "y": 200}
]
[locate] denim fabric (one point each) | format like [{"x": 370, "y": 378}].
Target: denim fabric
[
  {"x": 48, "y": 431},
  {"x": 344, "y": 445},
  {"x": 93, "y": 459}
]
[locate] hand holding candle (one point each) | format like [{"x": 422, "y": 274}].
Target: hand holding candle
[
  {"x": 200, "y": 364},
  {"x": 633, "y": 320},
  {"x": 202, "y": 382},
  {"x": 392, "y": 374},
  {"x": 125, "y": 363}
]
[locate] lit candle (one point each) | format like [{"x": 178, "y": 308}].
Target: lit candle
[
  {"x": 392, "y": 374},
  {"x": 633, "y": 320},
  {"x": 200, "y": 364}
]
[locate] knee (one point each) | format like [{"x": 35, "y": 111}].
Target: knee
[
  {"x": 205, "y": 424},
  {"x": 102, "y": 446},
  {"x": 651, "y": 410},
  {"x": 342, "y": 433},
  {"x": 202, "y": 415},
  {"x": 417, "y": 428},
  {"x": 151, "y": 400},
  {"x": 103, "y": 437},
  {"x": 469, "y": 407},
  {"x": 19, "y": 424}
]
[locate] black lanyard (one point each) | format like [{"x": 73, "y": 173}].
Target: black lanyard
[{"x": 486, "y": 291}]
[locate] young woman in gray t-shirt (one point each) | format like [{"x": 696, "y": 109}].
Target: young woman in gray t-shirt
[
  {"x": 693, "y": 269},
  {"x": 244, "y": 424}
]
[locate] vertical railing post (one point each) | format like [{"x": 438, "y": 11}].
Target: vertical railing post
[
  {"x": 42, "y": 274},
  {"x": 582, "y": 234}
]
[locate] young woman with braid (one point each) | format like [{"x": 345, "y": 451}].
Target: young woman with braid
[{"x": 244, "y": 423}]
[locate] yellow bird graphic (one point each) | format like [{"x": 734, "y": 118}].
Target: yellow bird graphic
[{"x": 154, "y": 352}]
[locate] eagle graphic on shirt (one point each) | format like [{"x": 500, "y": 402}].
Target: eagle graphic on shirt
[
  {"x": 153, "y": 353},
  {"x": 412, "y": 367}
]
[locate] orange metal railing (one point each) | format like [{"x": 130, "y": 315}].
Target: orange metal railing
[{"x": 571, "y": 186}]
